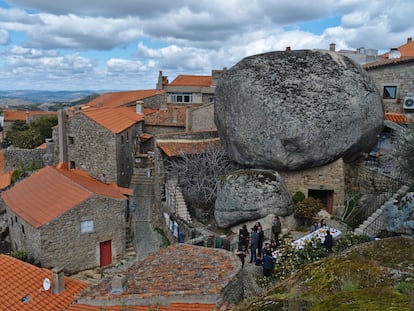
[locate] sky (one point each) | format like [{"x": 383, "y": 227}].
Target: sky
[{"x": 124, "y": 44}]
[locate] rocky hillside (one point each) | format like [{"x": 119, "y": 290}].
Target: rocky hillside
[{"x": 378, "y": 275}]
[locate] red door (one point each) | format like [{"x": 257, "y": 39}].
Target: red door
[{"x": 105, "y": 253}]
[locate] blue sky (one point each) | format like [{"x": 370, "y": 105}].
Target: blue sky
[{"x": 123, "y": 44}]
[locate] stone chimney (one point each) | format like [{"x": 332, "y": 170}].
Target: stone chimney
[
  {"x": 162, "y": 81},
  {"x": 139, "y": 108},
  {"x": 119, "y": 284},
  {"x": 394, "y": 53},
  {"x": 175, "y": 115},
  {"x": 63, "y": 151},
  {"x": 332, "y": 47},
  {"x": 58, "y": 281},
  {"x": 288, "y": 49},
  {"x": 409, "y": 39}
]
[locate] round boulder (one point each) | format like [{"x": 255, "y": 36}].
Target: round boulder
[
  {"x": 249, "y": 195},
  {"x": 296, "y": 109}
]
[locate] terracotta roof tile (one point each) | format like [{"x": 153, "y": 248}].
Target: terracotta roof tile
[
  {"x": 50, "y": 192},
  {"x": 172, "y": 116},
  {"x": 13, "y": 115},
  {"x": 191, "y": 80},
  {"x": 117, "y": 99},
  {"x": 173, "y": 148},
  {"x": 387, "y": 62},
  {"x": 114, "y": 119},
  {"x": 399, "y": 118},
  {"x": 5, "y": 179},
  {"x": 1, "y": 161},
  {"x": 174, "y": 273},
  {"x": 145, "y": 136},
  {"x": 19, "y": 279},
  {"x": 42, "y": 146},
  {"x": 405, "y": 50}
]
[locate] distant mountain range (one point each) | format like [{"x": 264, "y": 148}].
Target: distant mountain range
[{"x": 41, "y": 97}]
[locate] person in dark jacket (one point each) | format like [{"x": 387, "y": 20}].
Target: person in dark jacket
[
  {"x": 328, "y": 242},
  {"x": 254, "y": 239},
  {"x": 244, "y": 237},
  {"x": 260, "y": 240},
  {"x": 268, "y": 265}
]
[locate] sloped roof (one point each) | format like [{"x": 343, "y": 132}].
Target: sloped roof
[
  {"x": 178, "y": 147},
  {"x": 116, "y": 99},
  {"x": 50, "y": 192},
  {"x": 388, "y": 62},
  {"x": 13, "y": 115},
  {"x": 114, "y": 119},
  {"x": 191, "y": 80},
  {"x": 405, "y": 49},
  {"x": 172, "y": 116},
  {"x": 19, "y": 279},
  {"x": 207, "y": 272},
  {"x": 398, "y": 118},
  {"x": 5, "y": 179}
]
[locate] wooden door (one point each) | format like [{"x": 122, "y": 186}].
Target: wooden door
[{"x": 105, "y": 253}]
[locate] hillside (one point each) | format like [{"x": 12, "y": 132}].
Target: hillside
[{"x": 378, "y": 275}]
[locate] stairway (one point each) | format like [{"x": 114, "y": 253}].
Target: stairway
[
  {"x": 176, "y": 202},
  {"x": 130, "y": 252}
]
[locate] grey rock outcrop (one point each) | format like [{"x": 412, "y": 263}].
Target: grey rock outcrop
[
  {"x": 251, "y": 194},
  {"x": 295, "y": 110}
]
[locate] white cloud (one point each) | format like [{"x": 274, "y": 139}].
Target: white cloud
[{"x": 4, "y": 37}]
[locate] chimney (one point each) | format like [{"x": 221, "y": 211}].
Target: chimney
[
  {"x": 58, "y": 281},
  {"x": 174, "y": 115},
  {"x": 119, "y": 284},
  {"x": 139, "y": 108},
  {"x": 27, "y": 116},
  {"x": 63, "y": 152},
  {"x": 394, "y": 53},
  {"x": 409, "y": 39},
  {"x": 332, "y": 47},
  {"x": 288, "y": 49}
]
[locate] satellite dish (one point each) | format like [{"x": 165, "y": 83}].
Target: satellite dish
[{"x": 46, "y": 284}]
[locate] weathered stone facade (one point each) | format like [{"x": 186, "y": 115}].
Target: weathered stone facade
[
  {"x": 399, "y": 74},
  {"x": 329, "y": 178},
  {"x": 26, "y": 158},
  {"x": 107, "y": 156},
  {"x": 61, "y": 243},
  {"x": 200, "y": 118}
]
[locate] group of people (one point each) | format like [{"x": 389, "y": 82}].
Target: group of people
[
  {"x": 328, "y": 241},
  {"x": 252, "y": 243}
]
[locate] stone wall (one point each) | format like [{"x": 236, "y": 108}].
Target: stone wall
[
  {"x": 15, "y": 158},
  {"x": 401, "y": 75},
  {"x": 201, "y": 118},
  {"x": 107, "y": 156},
  {"x": 327, "y": 177},
  {"x": 60, "y": 242}
]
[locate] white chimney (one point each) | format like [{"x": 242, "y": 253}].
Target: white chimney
[
  {"x": 139, "y": 108},
  {"x": 394, "y": 53},
  {"x": 119, "y": 284},
  {"x": 58, "y": 280}
]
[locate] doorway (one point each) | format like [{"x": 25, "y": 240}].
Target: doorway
[
  {"x": 105, "y": 253},
  {"x": 326, "y": 197}
]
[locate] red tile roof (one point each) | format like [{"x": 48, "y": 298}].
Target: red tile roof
[
  {"x": 172, "y": 116},
  {"x": 19, "y": 279},
  {"x": 50, "y": 192},
  {"x": 387, "y": 62},
  {"x": 399, "y": 118},
  {"x": 177, "y": 273},
  {"x": 5, "y": 179},
  {"x": 13, "y": 115},
  {"x": 117, "y": 99},
  {"x": 191, "y": 80},
  {"x": 114, "y": 119},
  {"x": 177, "y": 147}
]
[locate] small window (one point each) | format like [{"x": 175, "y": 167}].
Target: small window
[
  {"x": 15, "y": 219},
  {"x": 11, "y": 219},
  {"x": 390, "y": 92},
  {"x": 72, "y": 165},
  {"x": 71, "y": 140},
  {"x": 87, "y": 226},
  {"x": 22, "y": 229}
]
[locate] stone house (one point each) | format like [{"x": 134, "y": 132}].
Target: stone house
[
  {"x": 66, "y": 218},
  {"x": 103, "y": 142},
  {"x": 178, "y": 277}
]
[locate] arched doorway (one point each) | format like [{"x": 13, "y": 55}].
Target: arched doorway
[{"x": 326, "y": 196}]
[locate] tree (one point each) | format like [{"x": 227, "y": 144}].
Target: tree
[
  {"x": 307, "y": 209},
  {"x": 198, "y": 174}
]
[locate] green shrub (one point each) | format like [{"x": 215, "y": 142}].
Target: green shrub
[
  {"x": 298, "y": 197},
  {"x": 406, "y": 288},
  {"x": 349, "y": 240}
]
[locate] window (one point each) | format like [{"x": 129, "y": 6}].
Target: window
[
  {"x": 72, "y": 165},
  {"x": 87, "y": 226},
  {"x": 22, "y": 229},
  {"x": 390, "y": 92},
  {"x": 71, "y": 140},
  {"x": 182, "y": 98}
]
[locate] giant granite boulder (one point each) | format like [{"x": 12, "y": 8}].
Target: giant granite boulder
[
  {"x": 246, "y": 195},
  {"x": 296, "y": 109}
]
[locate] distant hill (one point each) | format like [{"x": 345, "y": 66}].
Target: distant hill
[{"x": 45, "y": 100}]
